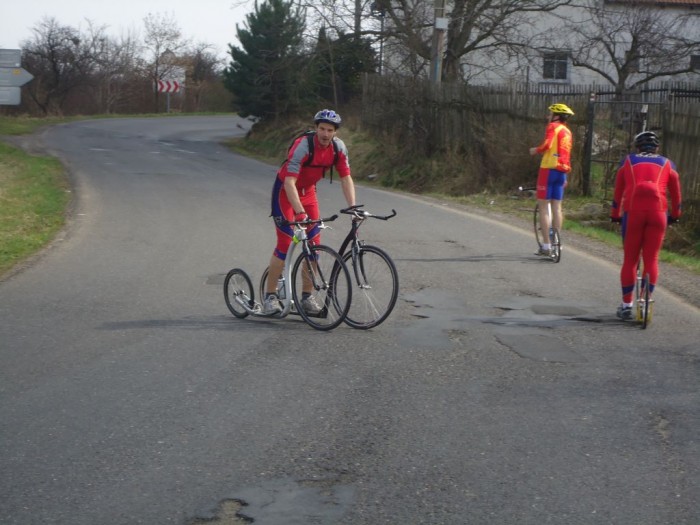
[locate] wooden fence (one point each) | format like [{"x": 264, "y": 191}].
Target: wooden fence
[{"x": 492, "y": 127}]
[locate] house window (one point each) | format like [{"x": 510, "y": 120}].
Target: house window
[
  {"x": 695, "y": 62},
  {"x": 555, "y": 66}
]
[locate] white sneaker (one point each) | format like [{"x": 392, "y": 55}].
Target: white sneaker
[
  {"x": 271, "y": 305},
  {"x": 310, "y": 306}
]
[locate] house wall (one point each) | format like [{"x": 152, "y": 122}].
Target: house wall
[{"x": 559, "y": 31}]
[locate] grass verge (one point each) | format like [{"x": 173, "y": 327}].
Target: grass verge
[{"x": 33, "y": 199}]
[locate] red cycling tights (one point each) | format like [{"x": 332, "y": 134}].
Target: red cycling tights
[{"x": 643, "y": 231}]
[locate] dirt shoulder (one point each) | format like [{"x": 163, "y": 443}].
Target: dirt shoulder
[{"x": 680, "y": 282}]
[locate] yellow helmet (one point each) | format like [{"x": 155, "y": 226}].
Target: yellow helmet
[{"x": 560, "y": 109}]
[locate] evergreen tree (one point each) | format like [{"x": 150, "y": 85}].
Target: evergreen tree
[
  {"x": 266, "y": 73},
  {"x": 340, "y": 65}
]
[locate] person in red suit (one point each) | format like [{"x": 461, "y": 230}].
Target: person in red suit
[
  {"x": 640, "y": 204},
  {"x": 294, "y": 196}
]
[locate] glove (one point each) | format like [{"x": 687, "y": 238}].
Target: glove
[
  {"x": 618, "y": 220},
  {"x": 672, "y": 220},
  {"x": 301, "y": 217}
]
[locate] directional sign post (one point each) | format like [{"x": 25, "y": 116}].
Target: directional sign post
[
  {"x": 10, "y": 96},
  {"x": 12, "y": 77},
  {"x": 10, "y": 57},
  {"x": 167, "y": 86}
]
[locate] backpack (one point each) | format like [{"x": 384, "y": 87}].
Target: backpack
[{"x": 310, "y": 141}]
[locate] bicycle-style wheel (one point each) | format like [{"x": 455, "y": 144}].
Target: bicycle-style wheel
[
  {"x": 539, "y": 237},
  {"x": 263, "y": 284},
  {"x": 555, "y": 241},
  {"x": 330, "y": 294},
  {"x": 646, "y": 315},
  {"x": 375, "y": 287},
  {"x": 262, "y": 289},
  {"x": 238, "y": 290},
  {"x": 639, "y": 297}
]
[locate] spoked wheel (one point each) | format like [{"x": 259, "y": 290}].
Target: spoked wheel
[
  {"x": 330, "y": 293},
  {"x": 646, "y": 313},
  {"x": 539, "y": 237},
  {"x": 375, "y": 285},
  {"x": 238, "y": 290},
  {"x": 263, "y": 284},
  {"x": 556, "y": 245},
  {"x": 639, "y": 297},
  {"x": 262, "y": 290}
]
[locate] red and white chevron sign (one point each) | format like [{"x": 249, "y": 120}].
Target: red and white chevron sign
[{"x": 167, "y": 86}]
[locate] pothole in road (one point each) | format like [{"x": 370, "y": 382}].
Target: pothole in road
[
  {"x": 284, "y": 502},
  {"x": 228, "y": 513},
  {"x": 519, "y": 327}
]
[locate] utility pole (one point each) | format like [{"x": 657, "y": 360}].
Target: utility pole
[{"x": 439, "y": 29}]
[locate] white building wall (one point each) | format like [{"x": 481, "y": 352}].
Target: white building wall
[{"x": 554, "y": 32}]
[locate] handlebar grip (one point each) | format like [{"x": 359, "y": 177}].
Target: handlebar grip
[{"x": 350, "y": 209}]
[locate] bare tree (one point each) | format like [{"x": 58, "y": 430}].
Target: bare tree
[
  {"x": 474, "y": 26},
  {"x": 203, "y": 70},
  {"x": 163, "y": 40},
  {"x": 117, "y": 71},
  {"x": 63, "y": 60},
  {"x": 631, "y": 45}
]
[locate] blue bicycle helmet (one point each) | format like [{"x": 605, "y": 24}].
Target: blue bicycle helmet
[{"x": 328, "y": 115}]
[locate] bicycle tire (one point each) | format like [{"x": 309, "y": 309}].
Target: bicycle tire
[
  {"x": 262, "y": 289},
  {"x": 333, "y": 293},
  {"x": 375, "y": 285},
  {"x": 238, "y": 287},
  {"x": 638, "y": 287},
  {"x": 539, "y": 237},
  {"x": 645, "y": 316},
  {"x": 555, "y": 240},
  {"x": 263, "y": 283}
]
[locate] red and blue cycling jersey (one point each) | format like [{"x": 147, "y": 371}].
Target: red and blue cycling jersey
[
  {"x": 640, "y": 198},
  {"x": 307, "y": 174},
  {"x": 641, "y": 185}
]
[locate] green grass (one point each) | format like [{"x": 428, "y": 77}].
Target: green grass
[
  {"x": 33, "y": 199},
  {"x": 601, "y": 230}
]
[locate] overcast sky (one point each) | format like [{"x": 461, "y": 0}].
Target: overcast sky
[{"x": 210, "y": 21}]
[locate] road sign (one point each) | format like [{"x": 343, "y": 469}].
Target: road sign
[
  {"x": 10, "y": 96},
  {"x": 14, "y": 76},
  {"x": 10, "y": 57},
  {"x": 167, "y": 86}
]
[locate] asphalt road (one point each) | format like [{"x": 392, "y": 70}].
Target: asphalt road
[{"x": 501, "y": 390}]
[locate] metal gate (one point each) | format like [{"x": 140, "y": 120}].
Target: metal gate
[{"x": 612, "y": 126}]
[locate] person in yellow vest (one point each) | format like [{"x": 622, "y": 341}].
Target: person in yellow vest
[{"x": 556, "y": 163}]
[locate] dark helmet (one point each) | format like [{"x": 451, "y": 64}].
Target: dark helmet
[
  {"x": 328, "y": 115},
  {"x": 646, "y": 141}
]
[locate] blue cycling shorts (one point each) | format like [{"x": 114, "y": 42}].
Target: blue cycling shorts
[{"x": 551, "y": 184}]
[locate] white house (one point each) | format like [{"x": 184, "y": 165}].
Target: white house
[{"x": 617, "y": 42}]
